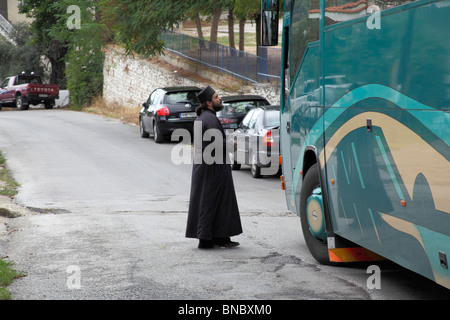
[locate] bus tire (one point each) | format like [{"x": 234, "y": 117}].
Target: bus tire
[{"x": 318, "y": 248}]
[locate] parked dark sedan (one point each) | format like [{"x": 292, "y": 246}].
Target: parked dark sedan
[
  {"x": 257, "y": 141},
  {"x": 168, "y": 109},
  {"x": 236, "y": 107}
]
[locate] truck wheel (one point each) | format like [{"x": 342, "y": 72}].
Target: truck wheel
[
  {"x": 19, "y": 103},
  {"x": 312, "y": 216}
]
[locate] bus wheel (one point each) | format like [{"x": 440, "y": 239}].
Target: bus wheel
[{"x": 312, "y": 216}]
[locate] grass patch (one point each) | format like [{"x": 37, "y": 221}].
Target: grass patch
[
  {"x": 8, "y": 186},
  {"x": 249, "y": 40},
  {"x": 7, "y": 275},
  {"x": 114, "y": 110}
]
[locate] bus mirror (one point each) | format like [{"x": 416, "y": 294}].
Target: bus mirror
[
  {"x": 269, "y": 22},
  {"x": 270, "y": 5}
]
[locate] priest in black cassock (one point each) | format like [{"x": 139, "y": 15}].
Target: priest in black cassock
[{"x": 213, "y": 215}]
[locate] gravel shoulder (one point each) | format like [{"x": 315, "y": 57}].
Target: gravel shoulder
[{"x": 9, "y": 210}]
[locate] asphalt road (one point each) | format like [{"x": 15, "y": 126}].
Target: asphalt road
[{"x": 109, "y": 218}]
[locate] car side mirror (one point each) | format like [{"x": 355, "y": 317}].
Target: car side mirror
[{"x": 145, "y": 105}]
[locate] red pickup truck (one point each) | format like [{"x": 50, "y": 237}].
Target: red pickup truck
[{"x": 25, "y": 89}]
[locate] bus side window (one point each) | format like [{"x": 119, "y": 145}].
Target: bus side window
[
  {"x": 304, "y": 29},
  {"x": 286, "y": 79}
]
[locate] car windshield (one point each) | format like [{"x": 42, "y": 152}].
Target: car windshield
[
  {"x": 241, "y": 107},
  {"x": 182, "y": 97},
  {"x": 272, "y": 118}
]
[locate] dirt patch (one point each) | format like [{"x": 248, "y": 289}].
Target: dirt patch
[{"x": 126, "y": 114}]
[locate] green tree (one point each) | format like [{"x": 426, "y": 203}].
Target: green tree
[
  {"x": 78, "y": 27},
  {"x": 214, "y": 8},
  {"x": 21, "y": 56},
  {"x": 248, "y": 9},
  {"x": 231, "y": 40},
  {"x": 70, "y": 36},
  {"x": 211, "y": 9},
  {"x": 137, "y": 24},
  {"x": 6, "y": 57},
  {"x": 44, "y": 14},
  {"x": 193, "y": 13}
]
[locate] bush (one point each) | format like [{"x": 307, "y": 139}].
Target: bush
[{"x": 84, "y": 75}]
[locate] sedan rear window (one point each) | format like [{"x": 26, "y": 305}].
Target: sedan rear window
[
  {"x": 182, "y": 97},
  {"x": 242, "y": 107},
  {"x": 272, "y": 118}
]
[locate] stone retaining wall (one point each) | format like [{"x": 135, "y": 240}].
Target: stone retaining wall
[{"x": 129, "y": 80}]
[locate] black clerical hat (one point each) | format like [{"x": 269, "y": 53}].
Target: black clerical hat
[{"x": 206, "y": 94}]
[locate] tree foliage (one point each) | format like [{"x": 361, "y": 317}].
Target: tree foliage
[
  {"x": 44, "y": 14},
  {"x": 6, "y": 55},
  {"x": 214, "y": 9},
  {"x": 137, "y": 24},
  {"x": 248, "y": 10},
  {"x": 134, "y": 24},
  {"x": 23, "y": 56},
  {"x": 75, "y": 53},
  {"x": 84, "y": 59}
]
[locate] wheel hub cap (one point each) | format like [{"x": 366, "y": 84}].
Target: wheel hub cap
[{"x": 315, "y": 216}]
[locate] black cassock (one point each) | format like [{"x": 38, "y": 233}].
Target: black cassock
[{"x": 213, "y": 208}]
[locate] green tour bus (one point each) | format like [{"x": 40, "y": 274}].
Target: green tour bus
[{"x": 365, "y": 128}]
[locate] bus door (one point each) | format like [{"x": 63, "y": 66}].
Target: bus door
[{"x": 302, "y": 91}]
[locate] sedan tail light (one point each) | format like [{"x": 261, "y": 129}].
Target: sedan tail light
[
  {"x": 267, "y": 139},
  {"x": 227, "y": 120},
  {"x": 163, "y": 111}
]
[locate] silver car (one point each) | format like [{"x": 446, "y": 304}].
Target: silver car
[{"x": 256, "y": 142}]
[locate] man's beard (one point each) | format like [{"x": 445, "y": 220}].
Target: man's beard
[{"x": 218, "y": 107}]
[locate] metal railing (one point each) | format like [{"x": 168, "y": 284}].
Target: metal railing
[
  {"x": 5, "y": 27},
  {"x": 243, "y": 65}
]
